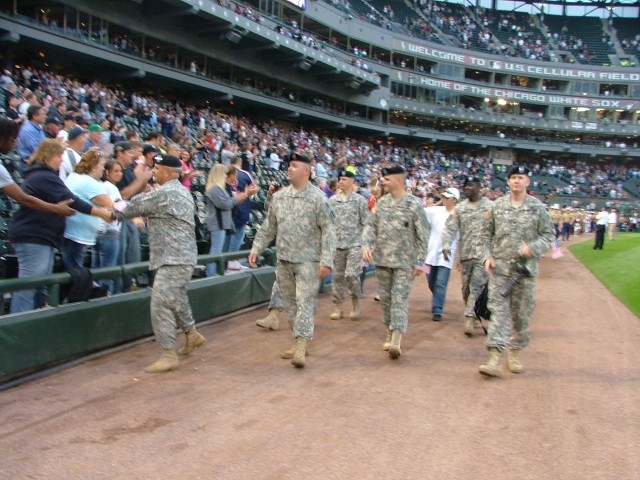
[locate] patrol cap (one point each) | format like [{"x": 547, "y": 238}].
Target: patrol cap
[
  {"x": 298, "y": 157},
  {"x": 396, "y": 169},
  {"x": 471, "y": 180},
  {"x": 518, "y": 170},
  {"x": 451, "y": 192},
  {"x": 165, "y": 160},
  {"x": 345, "y": 173}
]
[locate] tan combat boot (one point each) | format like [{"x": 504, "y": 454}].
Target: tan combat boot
[
  {"x": 271, "y": 321},
  {"x": 355, "y": 308},
  {"x": 194, "y": 340},
  {"x": 469, "y": 325},
  {"x": 394, "y": 348},
  {"x": 168, "y": 361},
  {"x": 299, "y": 353},
  {"x": 288, "y": 354},
  {"x": 514, "y": 362},
  {"x": 492, "y": 367},
  {"x": 337, "y": 312},
  {"x": 387, "y": 341}
]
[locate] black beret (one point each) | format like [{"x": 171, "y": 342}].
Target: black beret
[
  {"x": 393, "y": 170},
  {"x": 345, "y": 173},
  {"x": 298, "y": 157},
  {"x": 167, "y": 161},
  {"x": 518, "y": 170},
  {"x": 471, "y": 180}
]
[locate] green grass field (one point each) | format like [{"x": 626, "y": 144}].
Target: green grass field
[{"x": 617, "y": 266}]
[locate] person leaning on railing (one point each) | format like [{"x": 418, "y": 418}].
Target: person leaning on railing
[{"x": 35, "y": 234}]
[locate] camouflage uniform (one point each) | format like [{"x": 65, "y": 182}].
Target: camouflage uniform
[
  {"x": 351, "y": 216},
  {"x": 399, "y": 234},
  {"x": 508, "y": 227},
  {"x": 276, "y": 298},
  {"x": 303, "y": 225},
  {"x": 170, "y": 211},
  {"x": 468, "y": 221}
]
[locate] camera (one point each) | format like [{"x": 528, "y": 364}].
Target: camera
[{"x": 520, "y": 270}]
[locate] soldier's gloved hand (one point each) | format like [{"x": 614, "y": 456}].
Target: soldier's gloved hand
[{"x": 445, "y": 254}]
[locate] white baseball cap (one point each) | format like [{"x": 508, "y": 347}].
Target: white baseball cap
[{"x": 452, "y": 192}]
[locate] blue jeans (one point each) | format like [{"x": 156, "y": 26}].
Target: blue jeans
[
  {"x": 234, "y": 242},
  {"x": 129, "y": 251},
  {"x": 105, "y": 254},
  {"x": 438, "y": 279},
  {"x": 33, "y": 260},
  {"x": 72, "y": 255},
  {"x": 218, "y": 238}
]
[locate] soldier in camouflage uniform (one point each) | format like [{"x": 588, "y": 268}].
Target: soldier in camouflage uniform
[
  {"x": 396, "y": 238},
  {"x": 351, "y": 215},
  {"x": 169, "y": 210},
  {"x": 468, "y": 220},
  {"x": 517, "y": 230},
  {"x": 303, "y": 224}
]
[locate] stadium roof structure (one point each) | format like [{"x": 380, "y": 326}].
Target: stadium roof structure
[{"x": 574, "y": 8}]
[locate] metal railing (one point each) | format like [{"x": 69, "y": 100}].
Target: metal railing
[{"x": 54, "y": 281}]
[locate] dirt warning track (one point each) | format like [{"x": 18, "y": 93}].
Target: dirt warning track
[{"x": 235, "y": 410}]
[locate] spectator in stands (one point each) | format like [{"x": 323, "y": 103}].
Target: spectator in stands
[
  {"x": 58, "y": 113},
  {"x": 107, "y": 245},
  {"x": 136, "y": 176},
  {"x": 52, "y": 127},
  {"x": 220, "y": 202},
  {"x": 81, "y": 230},
  {"x": 13, "y": 102},
  {"x": 76, "y": 140},
  {"x": 35, "y": 234},
  {"x": 95, "y": 139},
  {"x": 188, "y": 170},
  {"x": 31, "y": 134},
  {"x": 243, "y": 182},
  {"x": 8, "y": 135}
]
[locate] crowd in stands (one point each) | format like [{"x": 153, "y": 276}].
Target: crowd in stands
[{"x": 129, "y": 128}]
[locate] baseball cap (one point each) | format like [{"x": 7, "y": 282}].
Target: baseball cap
[
  {"x": 75, "y": 132},
  {"x": 147, "y": 148},
  {"x": 94, "y": 127},
  {"x": 451, "y": 192}
]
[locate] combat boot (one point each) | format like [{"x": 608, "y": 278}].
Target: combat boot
[
  {"x": 271, "y": 321},
  {"x": 337, "y": 312},
  {"x": 469, "y": 325},
  {"x": 355, "y": 308},
  {"x": 387, "y": 341},
  {"x": 394, "y": 348},
  {"x": 492, "y": 367},
  {"x": 168, "y": 361},
  {"x": 194, "y": 340},
  {"x": 514, "y": 361},
  {"x": 299, "y": 352}
]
